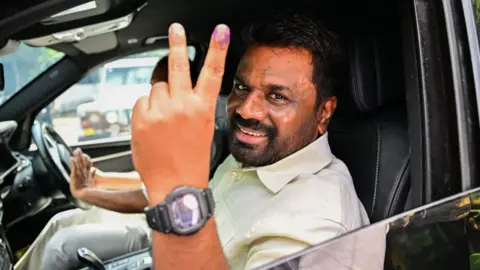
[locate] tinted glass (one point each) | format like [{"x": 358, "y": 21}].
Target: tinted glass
[
  {"x": 442, "y": 235},
  {"x": 476, "y": 13},
  {"x": 24, "y": 65}
]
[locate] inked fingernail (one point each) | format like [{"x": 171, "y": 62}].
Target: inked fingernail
[
  {"x": 222, "y": 34},
  {"x": 177, "y": 29}
]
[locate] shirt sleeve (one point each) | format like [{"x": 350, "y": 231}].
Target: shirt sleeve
[{"x": 278, "y": 236}]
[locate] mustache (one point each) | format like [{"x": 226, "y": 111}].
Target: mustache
[{"x": 253, "y": 124}]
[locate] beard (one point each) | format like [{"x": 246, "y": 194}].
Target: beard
[{"x": 276, "y": 147}]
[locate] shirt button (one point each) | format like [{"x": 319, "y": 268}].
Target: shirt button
[{"x": 234, "y": 174}]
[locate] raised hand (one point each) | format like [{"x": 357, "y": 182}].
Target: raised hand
[
  {"x": 82, "y": 174},
  {"x": 172, "y": 128}
]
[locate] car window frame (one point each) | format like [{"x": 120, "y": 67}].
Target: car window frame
[
  {"x": 467, "y": 111},
  {"x": 474, "y": 44},
  {"x": 431, "y": 117}
]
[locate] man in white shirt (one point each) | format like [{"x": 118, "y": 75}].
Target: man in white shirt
[{"x": 281, "y": 189}]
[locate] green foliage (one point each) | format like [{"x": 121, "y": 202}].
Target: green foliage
[
  {"x": 476, "y": 13},
  {"x": 38, "y": 60},
  {"x": 48, "y": 57}
]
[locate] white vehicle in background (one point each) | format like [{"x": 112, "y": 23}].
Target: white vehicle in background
[
  {"x": 126, "y": 80},
  {"x": 82, "y": 92}
]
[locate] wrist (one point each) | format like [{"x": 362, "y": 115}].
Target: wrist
[
  {"x": 155, "y": 197},
  {"x": 98, "y": 179},
  {"x": 81, "y": 194},
  {"x": 157, "y": 190}
]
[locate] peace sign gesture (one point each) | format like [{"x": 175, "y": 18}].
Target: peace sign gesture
[{"x": 172, "y": 128}]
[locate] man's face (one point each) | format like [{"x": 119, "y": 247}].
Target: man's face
[{"x": 271, "y": 109}]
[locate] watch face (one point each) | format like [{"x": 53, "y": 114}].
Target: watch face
[{"x": 185, "y": 212}]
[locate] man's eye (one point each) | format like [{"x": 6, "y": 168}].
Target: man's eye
[
  {"x": 277, "y": 97},
  {"x": 241, "y": 87}
]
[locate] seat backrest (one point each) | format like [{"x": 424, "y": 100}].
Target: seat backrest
[{"x": 369, "y": 131}]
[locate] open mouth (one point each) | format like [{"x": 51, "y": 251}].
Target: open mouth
[
  {"x": 250, "y": 136},
  {"x": 251, "y": 132}
]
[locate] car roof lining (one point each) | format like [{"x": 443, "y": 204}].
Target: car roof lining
[
  {"x": 199, "y": 18},
  {"x": 118, "y": 8},
  {"x": 154, "y": 18}
]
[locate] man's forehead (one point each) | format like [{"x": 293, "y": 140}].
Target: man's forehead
[{"x": 264, "y": 61}]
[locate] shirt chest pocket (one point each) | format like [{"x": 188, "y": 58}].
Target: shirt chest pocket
[{"x": 225, "y": 224}]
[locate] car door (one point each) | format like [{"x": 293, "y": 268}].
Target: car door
[
  {"x": 94, "y": 114},
  {"x": 444, "y": 234}
]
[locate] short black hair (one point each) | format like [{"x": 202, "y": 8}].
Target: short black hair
[
  {"x": 294, "y": 29},
  {"x": 164, "y": 62}
]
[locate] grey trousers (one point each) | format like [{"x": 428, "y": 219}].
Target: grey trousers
[{"x": 108, "y": 234}]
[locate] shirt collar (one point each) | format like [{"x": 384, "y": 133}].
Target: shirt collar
[{"x": 308, "y": 160}]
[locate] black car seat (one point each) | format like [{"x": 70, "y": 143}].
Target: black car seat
[
  {"x": 220, "y": 138},
  {"x": 369, "y": 130}
]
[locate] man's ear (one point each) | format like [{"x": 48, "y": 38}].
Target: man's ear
[{"x": 325, "y": 113}]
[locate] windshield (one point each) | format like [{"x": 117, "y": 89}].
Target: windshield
[{"x": 24, "y": 65}]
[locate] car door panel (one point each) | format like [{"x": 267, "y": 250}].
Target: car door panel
[
  {"x": 110, "y": 155},
  {"x": 118, "y": 162}
]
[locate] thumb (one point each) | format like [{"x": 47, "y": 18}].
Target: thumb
[{"x": 93, "y": 171}]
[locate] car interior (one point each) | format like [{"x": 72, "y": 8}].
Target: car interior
[{"x": 369, "y": 131}]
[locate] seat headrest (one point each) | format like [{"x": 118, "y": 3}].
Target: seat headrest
[{"x": 375, "y": 74}]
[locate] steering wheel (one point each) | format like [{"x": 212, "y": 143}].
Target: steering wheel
[{"x": 56, "y": 154}]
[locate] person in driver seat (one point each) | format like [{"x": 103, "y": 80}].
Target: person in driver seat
[
  {"x": 279, "y": 191},
  {"x": 115, "y": 198}
]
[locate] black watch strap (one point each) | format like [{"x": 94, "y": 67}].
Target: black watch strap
[{"x": 158, "y": 217}]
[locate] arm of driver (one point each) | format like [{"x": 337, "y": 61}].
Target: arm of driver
[{"x": 123, "y": 201}]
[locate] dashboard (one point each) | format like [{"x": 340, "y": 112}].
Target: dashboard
[
  {"x": 10, "y": 165},
  {"x": 8, "y": 161},
  {"x": 20, "y": 196}
]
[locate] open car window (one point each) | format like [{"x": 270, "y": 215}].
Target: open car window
[{"x": 24, "y": 65}]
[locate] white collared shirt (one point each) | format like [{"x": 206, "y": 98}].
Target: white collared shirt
[
  {"x": 269, "y": 212},
  {"x": 266, "y": 213}
]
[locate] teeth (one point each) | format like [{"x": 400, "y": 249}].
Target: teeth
[{"x": 251, "y": 133}]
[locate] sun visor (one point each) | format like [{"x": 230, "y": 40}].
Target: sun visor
[
  {"x": 85, "y": 10},
  {"x": 97, "y": 44},
  {"x": 81, "y": 33}
]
